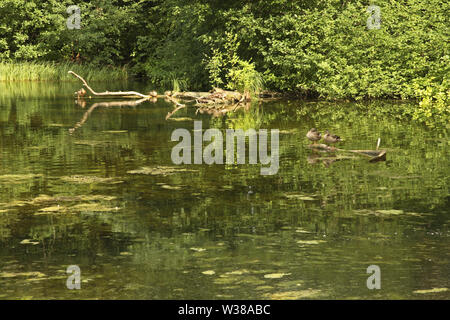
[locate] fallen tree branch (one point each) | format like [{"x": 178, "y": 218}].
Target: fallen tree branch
[{"x": 113, "y": 93}]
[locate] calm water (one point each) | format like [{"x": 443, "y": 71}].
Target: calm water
[{"x": 93, "y": 198}]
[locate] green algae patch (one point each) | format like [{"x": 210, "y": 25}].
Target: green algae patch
[
  {"x": 46, "y": 198},
  {"x": 434, "y": 290},
  {"x": 197, "y": 249},
  {"x": 310, "y": 242},
  {"x": 160, "y": 170},
  {"x": 115, "y": 131},
  {"x": 275, "y": 275},
  {"x": 34, "y": 274},
  {"x": 90, "y": 179},
  {"x": 293, "y": 295},
  {"x": 385, "y": 212},
  {"x": 237, "y": 272},
  {"x": 91, "y": 207},
  {"x": 18, "y": 178},
  {"x": 51, "y": 210},
  {"x": 90, "y": 143},
  {"x": 297, "y": 196},
  {"x": 28, "y": 241},
  {"x": 180, "y": 119},
  {"x": 168, "y": 187},
  {"x": 390, "y": 212},
  {"x": 209, "y": 272}
]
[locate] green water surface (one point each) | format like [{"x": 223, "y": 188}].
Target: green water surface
[{"x": 107, "y": 198}]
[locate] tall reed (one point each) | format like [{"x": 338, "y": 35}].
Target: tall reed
[{"x": 50, "y": 71}]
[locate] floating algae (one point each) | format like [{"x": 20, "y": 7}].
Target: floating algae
[
  {"x": 296, "y": 196},
  {"x": 180, "y": 119},
  {"x": 237, "y": 272},
  {"x": 227, "y": 280},
  {"x": 52, "y": 209},
  {"x": 168, "y": 187},
  {"x": 198, "y": 249},
  {"x": 91, "y": 207},
  {"x": 293, "y": 295},
  {"x": 289, "y": 284},
  {"x": 160, "y": 170},
  {"x": 382, "y": 212},
  {"x": 46, "y": 198},
  {"x": 434, "y": 290},
  {"x": 90, "y": 179},
  {"x": 28, "y": 241},
  {"x": 275, "y": 275},
  {"x": 310, "y": 241},
  {"x": 209, "y": 272},
  {"x": 18, "y": 178},
  {"x": 264, "y": 288},
  {"x": 22, "y": 274},
  {"x": 91, "y": 143}
]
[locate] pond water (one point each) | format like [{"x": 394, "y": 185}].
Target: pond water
[{"x": 106, "y": 197}]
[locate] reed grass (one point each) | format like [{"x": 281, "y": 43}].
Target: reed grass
[{"x": 50, "y": 71}]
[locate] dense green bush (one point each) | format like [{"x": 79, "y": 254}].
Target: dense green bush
[{"x": 313, "y": 48}]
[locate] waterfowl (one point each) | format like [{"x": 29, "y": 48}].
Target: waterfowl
[
  {"x": 313, "y": 135},
  {"x": 331, "y": 138}
]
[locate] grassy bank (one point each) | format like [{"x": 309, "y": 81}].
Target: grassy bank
[{"x": 49, "y": 71}]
